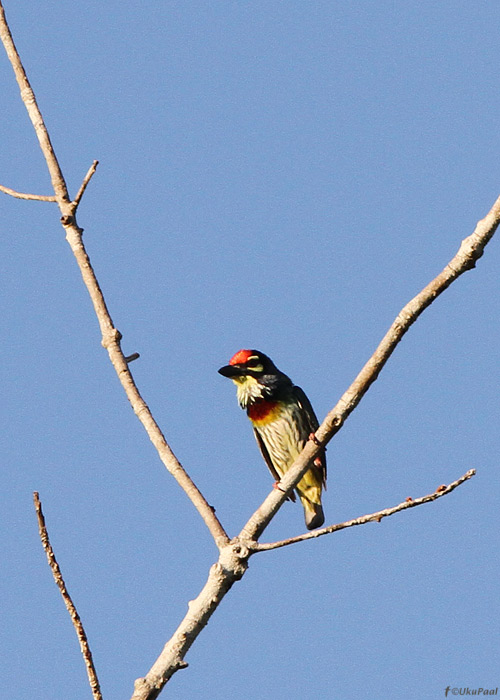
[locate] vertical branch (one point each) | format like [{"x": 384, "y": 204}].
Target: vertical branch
[{"x": 70, "y": 606}]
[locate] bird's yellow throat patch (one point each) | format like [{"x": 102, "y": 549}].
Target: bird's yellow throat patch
[{"x": 248, "y": 390}]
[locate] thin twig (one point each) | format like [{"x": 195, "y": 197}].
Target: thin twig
[
  {"x": 75, "y": 617},
  {"x": 26, "y": 195},
  {"x": 29, "y": 99},
  {"x": 372, "y": 517},
  {"x": 110, "y": 335},
  {"x": 469, "y": 252},
  {"x": 85, "y": 182}
]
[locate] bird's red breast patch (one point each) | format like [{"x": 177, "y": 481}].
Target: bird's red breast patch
[
  {"x": 262, "y": 412},
  {"x": 241, "y": 357}
]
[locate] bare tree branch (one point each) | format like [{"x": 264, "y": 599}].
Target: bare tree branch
[
  {"x": 85, "y": 182},
  {"x": 28, "y": 97},
  {"x": 26, "y": 195},
  {"x": 111, "y": 336},
  {"x": 469, "y": 252},
  {"x": 70, "y": 606},
  {"x": 372, "y": 517},
  {"x": 234, "y": 554},
  {"x": 229, "y": 568}
]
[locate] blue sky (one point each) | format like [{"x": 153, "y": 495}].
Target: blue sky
[{"x": 278, "y": 175}]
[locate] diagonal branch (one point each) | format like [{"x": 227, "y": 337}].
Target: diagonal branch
[
  {"x": 469, "y": 252},
  {"x": 231, "y": 566},
  {"x": 26, "y": 195},
  {"x": 111, "y": 336},
  {"x": 371, "y": 518},
  {"x": 75, "y": 617},
  {"x": 29, "y": 99},
  {"x": 85, "y": 182}
]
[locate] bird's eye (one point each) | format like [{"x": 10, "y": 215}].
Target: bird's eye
[{"x": 255, "y": 363}]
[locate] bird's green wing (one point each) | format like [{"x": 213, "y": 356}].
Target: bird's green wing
[
  {"x": 267, "y": 459},
  {"x": 305, "y": 404}
]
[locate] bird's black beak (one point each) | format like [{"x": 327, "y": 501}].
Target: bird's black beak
[{"x": 231, "y": 371}]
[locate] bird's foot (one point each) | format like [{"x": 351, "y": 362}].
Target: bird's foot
[{"x": 312, "y": 436}]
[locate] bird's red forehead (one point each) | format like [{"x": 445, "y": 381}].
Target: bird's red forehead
[{"x": 241, "y": 357}]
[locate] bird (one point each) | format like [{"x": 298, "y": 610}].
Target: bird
[{"x": 283, "y": 421}]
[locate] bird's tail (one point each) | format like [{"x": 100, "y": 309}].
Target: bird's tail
[
  {"x": 310, "y": 496},
  {"x": 313, "y": 513}
]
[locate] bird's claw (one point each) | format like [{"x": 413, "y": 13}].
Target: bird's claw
[{"x": 312, "y": 436}]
